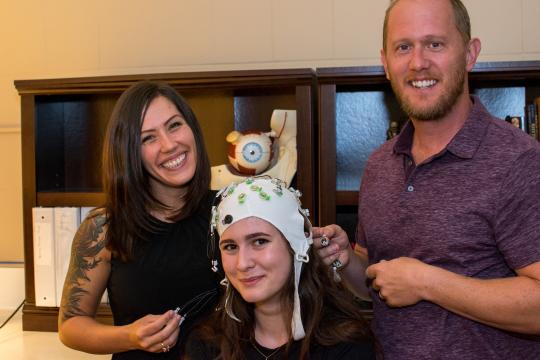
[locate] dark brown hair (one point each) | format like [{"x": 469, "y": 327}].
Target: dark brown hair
[
  {"x": 125, "y": 180},
  {"x": 330, "y": 315},
  {"x": 461, "y": 19}
]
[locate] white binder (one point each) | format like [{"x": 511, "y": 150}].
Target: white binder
[
  {"x": 44, "y": 254},
  {"x": 85, "y": 210},
  {"x": 66, "y": 223}
]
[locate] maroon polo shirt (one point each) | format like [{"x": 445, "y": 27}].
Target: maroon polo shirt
[{"x": 473, "y": 209}]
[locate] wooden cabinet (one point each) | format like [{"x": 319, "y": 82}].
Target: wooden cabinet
[
  {"x": 355, "y": 107},
  {"x": 63, "y": 124}
]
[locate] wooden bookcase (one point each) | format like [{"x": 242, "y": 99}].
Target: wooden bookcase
[
  {"x": 355, "y": 106},
  {"x": 63, "y": 123}
]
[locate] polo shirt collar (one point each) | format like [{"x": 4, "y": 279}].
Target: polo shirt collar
[
  {"x": 403, "y": 144},
  {"x": 465, "y": 142}
]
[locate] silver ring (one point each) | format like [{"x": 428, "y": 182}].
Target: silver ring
[
  {"x": 324, "y": 241},
  {"x": 336, "y": 264},
  {"x": 163, "y": 348}
]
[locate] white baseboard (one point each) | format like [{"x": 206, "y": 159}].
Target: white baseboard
[{"x": 12, "y": 288}]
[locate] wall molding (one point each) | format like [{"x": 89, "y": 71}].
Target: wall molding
[{"x": 10, "y": 130}]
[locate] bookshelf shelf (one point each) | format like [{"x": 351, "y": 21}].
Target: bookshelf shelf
[
  {"x": 70, "y": 198},
  {"x": 346, "y": 198}
]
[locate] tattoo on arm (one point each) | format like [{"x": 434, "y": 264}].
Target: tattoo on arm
[{"x": 87, "y": 244}]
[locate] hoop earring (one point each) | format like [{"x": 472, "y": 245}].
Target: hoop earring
[{"x": 229, "y": 295}]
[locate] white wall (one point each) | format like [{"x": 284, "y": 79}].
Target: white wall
[
  {"x": 69, "y": 38},
  {"x": 12, "y": 291},
  {"x": 11, "y": 242}
]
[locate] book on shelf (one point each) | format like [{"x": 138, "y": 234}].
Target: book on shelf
[
  {"x": 44, "y": 254},
  {"x": 531, "y": 119},
  {"x": 66, "y": 223},
  {"x": 85, "y": 210},
  {"x": 54, "y": 229},
  {"x": 537, "y": 104}
]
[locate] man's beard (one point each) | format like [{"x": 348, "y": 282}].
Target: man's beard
[{"x": 443, "y": 105}]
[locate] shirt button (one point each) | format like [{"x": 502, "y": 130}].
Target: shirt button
[{"x": 410, "y": 188}]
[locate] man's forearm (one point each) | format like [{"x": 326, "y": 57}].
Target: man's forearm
[{"x": 511, "y": 304}]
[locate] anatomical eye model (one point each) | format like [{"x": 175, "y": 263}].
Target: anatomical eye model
[
  {"x": 250, "y": 153},
  {"x": 255, "y": 152}
]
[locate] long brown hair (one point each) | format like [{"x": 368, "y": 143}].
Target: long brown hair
[
  {"x": 330, "y": 315},
  {"x": 126, "y": 181}
]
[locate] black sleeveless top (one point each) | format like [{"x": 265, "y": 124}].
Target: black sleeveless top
[{"x": 168, "y": 270}]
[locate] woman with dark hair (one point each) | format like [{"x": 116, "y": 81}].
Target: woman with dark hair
[
  {"x": 280, "y": 301},
  {"x": 148, "y": 244}
]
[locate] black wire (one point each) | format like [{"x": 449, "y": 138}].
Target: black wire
[
  {"x": 197, "y": 304},
  {"x": 13, "y": 314}
]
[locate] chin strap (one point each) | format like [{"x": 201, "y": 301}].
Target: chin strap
[{"x": 296, "y": 324}]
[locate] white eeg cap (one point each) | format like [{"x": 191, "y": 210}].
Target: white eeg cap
[{"x": 269, "y": 199}]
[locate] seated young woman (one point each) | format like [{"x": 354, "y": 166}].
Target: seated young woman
[{"x": 280, "y": 301}]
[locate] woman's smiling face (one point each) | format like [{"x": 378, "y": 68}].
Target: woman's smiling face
[
  {"x": 168, "y": 148},
  {"x": 256, "y": 259}
]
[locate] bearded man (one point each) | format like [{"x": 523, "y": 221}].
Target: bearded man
[{"x": 449, "y": 210}]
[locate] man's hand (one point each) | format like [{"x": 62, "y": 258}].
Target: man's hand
[
  {"x": 332, "y": 243},
  {"x": 399, "y": 282}
]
